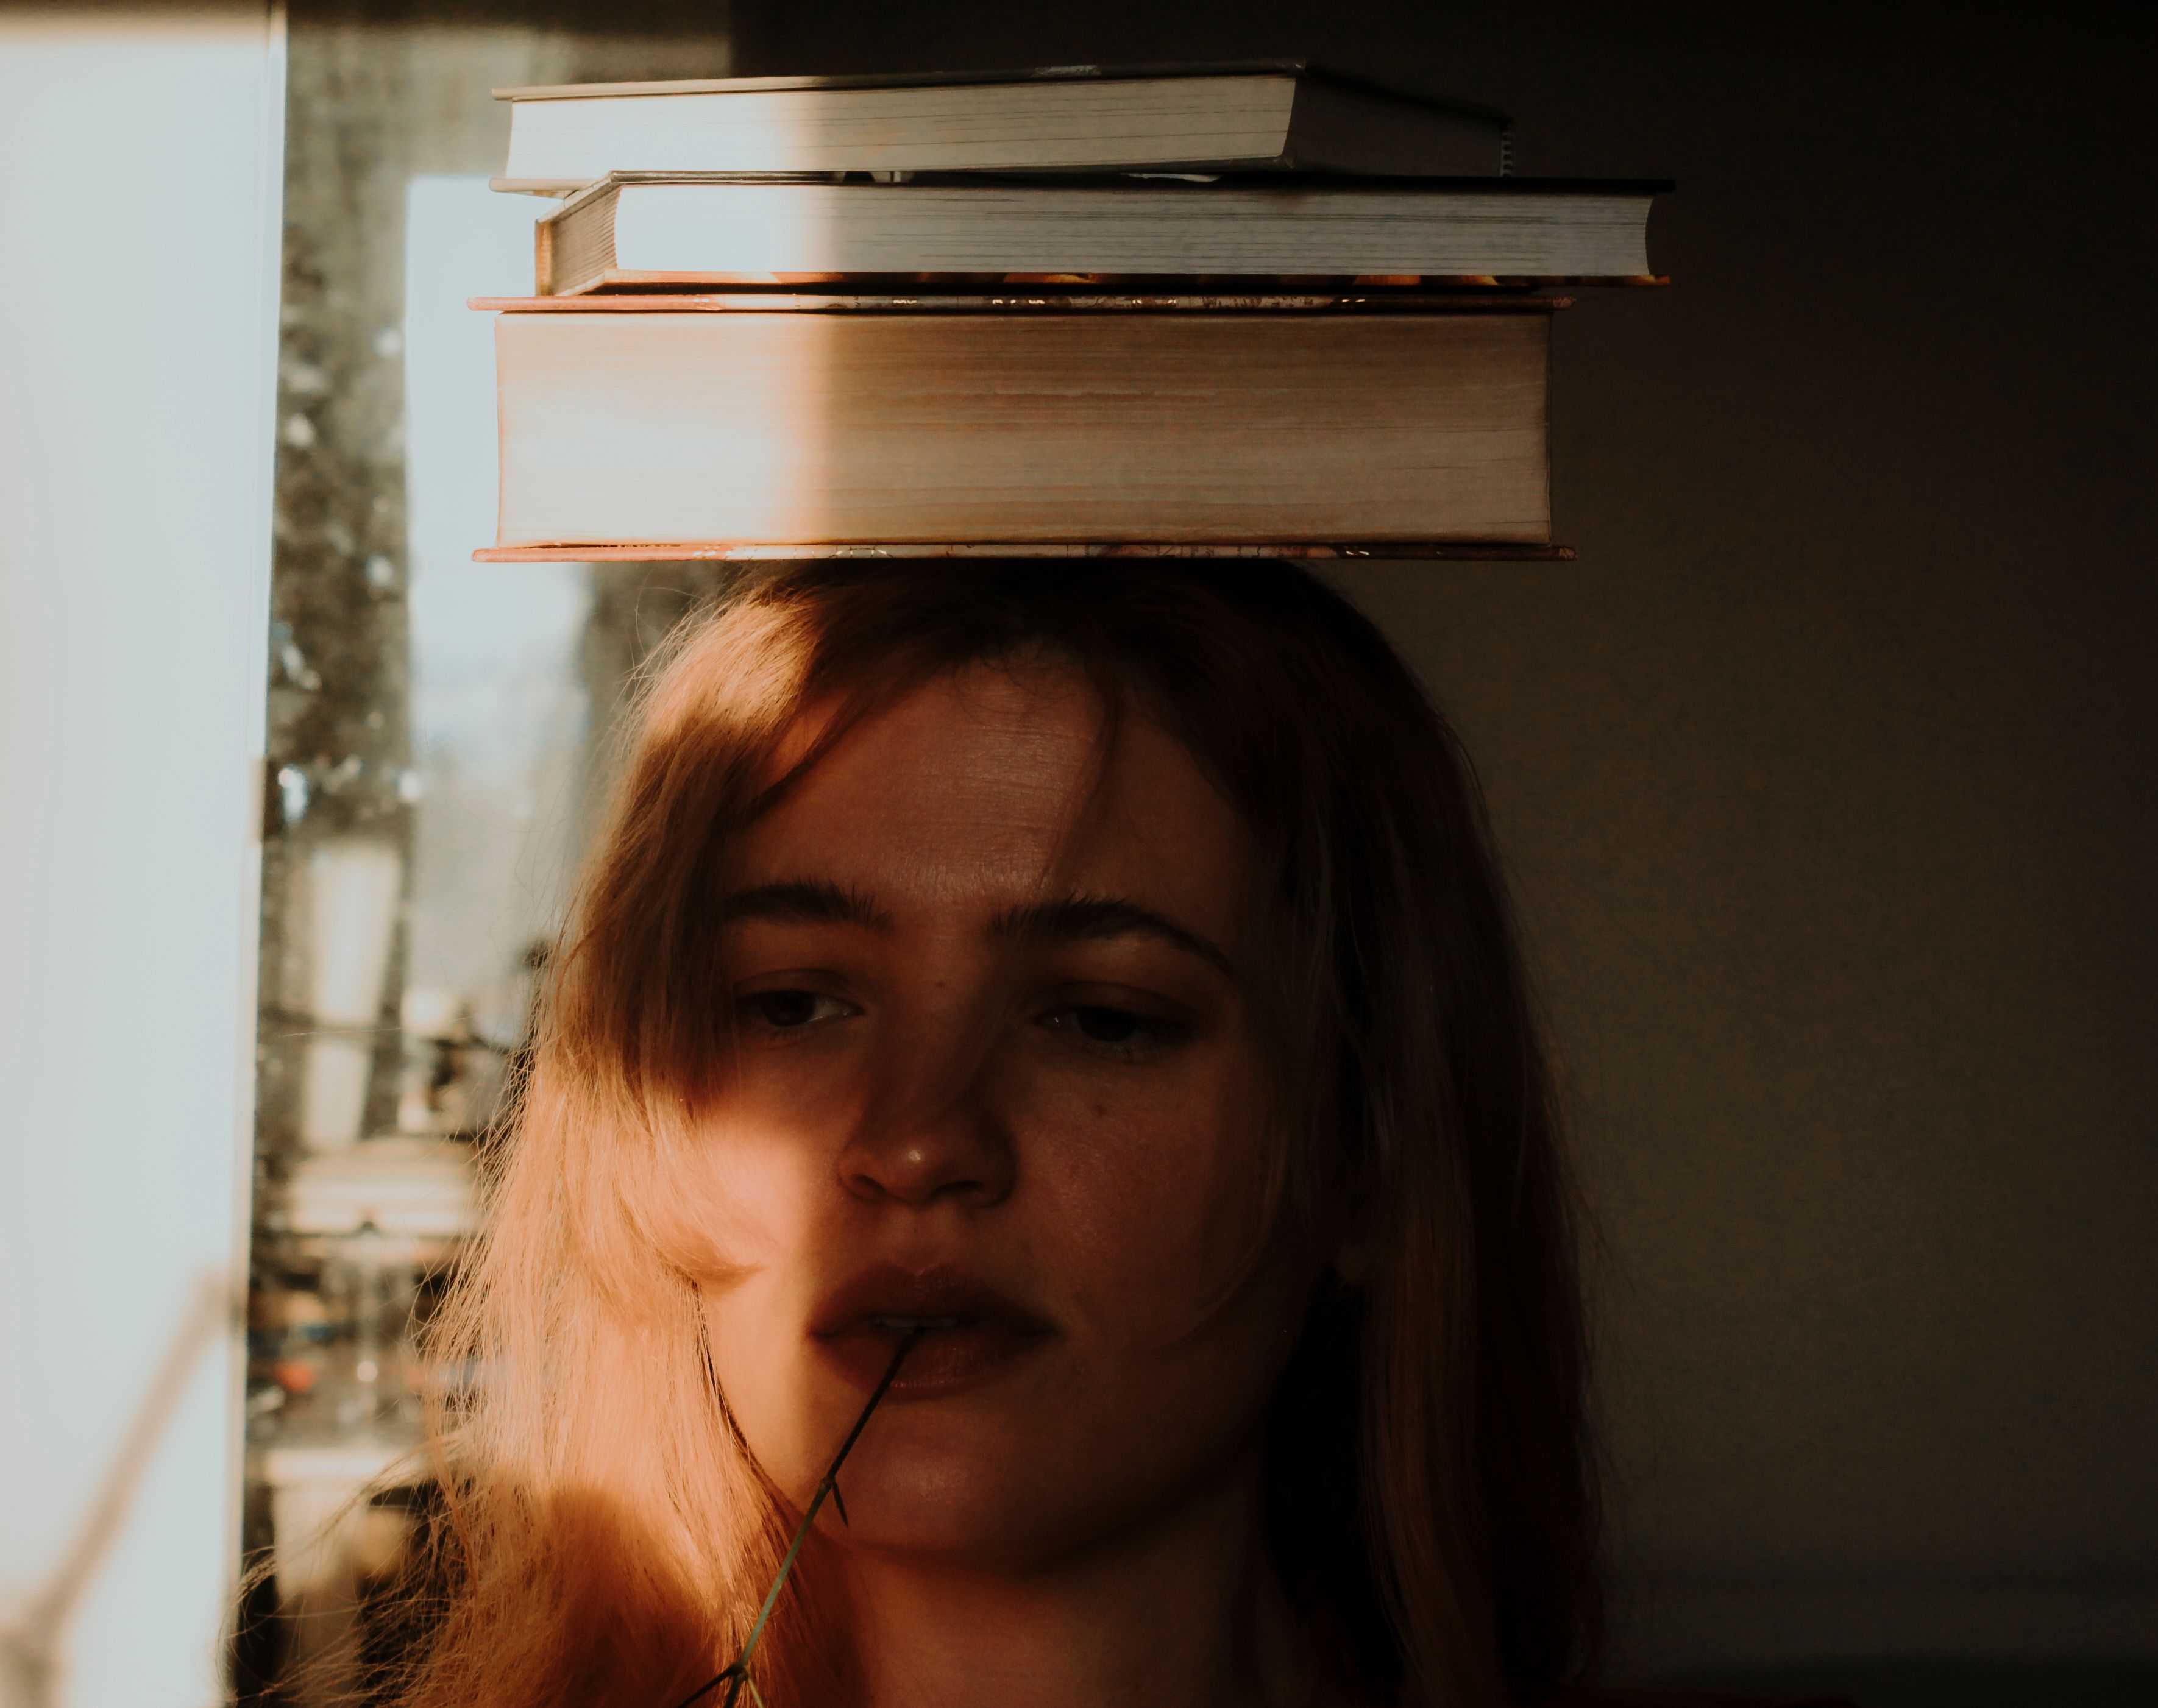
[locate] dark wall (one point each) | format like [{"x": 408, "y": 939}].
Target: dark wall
[{"x": 1826, "y": 775}]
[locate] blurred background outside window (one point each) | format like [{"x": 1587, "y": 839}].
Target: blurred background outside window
[{"x": 437, "y": 745}]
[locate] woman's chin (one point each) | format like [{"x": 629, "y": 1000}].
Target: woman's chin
[
  {"x": 966, "y": 1500},
  {"x": 962, "y": 1532}
]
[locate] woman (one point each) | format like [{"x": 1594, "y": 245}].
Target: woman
[{"x": 1092, "y": 978}]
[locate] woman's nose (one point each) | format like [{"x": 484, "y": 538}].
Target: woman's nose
[{"x": 935, "y": 1145}]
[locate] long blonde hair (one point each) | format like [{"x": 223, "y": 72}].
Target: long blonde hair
[{"x": 602, "y": 1538}]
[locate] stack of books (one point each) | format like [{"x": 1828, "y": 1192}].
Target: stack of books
[{"x": 1220, "y": 310}]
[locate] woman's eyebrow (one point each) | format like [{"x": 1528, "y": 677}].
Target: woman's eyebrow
[
  {"x": 1081, "y": 917},
  {"x": 804, "y": 901}
]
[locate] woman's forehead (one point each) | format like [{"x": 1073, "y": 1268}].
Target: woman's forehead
[{"x": 995, "y": 786}]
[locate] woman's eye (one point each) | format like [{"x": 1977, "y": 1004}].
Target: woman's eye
[
  {"x": 1107, "y": 1025},
  {"x": 792, "y": 1010},
  {"x": 1118, "y": 1031}
]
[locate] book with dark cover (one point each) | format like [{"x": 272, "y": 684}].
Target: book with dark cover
[{"x": 1276, "y": 114}]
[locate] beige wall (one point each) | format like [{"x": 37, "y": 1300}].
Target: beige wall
[
  {"x": 1829, "y": 778},
  {"x": 1838, "y": 915}
]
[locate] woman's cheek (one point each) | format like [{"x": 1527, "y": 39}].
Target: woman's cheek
[
  {"x": 727, "y": 1207},
  {"x": 1147, "y": 1191}
]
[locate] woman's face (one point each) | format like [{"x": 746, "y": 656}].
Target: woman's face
[{"x": 997, "y": 1076}]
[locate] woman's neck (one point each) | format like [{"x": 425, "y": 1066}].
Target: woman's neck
[{"x": 1183, "y": 1611}]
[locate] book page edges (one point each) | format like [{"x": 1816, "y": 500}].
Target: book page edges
[{"x": 746, "y": 434}]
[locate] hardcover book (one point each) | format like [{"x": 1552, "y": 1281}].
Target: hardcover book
[
  {"x": 1275, "y": 114},
  {"x": 676, "y": 425},
  {"x": 634, "y": 230}
]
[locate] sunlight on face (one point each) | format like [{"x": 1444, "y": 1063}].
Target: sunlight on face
[{"x": 997, "y": 1079}]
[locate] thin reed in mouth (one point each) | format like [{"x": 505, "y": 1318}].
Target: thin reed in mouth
[{"x": 736, "y": 1674}]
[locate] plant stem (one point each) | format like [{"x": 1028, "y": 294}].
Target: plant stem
[{"x": 736, "y": 1675}]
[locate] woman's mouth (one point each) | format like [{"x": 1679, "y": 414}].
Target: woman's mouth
[{"x": 962, "y": 1332}]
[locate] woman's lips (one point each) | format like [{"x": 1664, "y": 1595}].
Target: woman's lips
[
  {"x": 965, "y": 1331},
  {"x": 943, "y": 1360}
]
